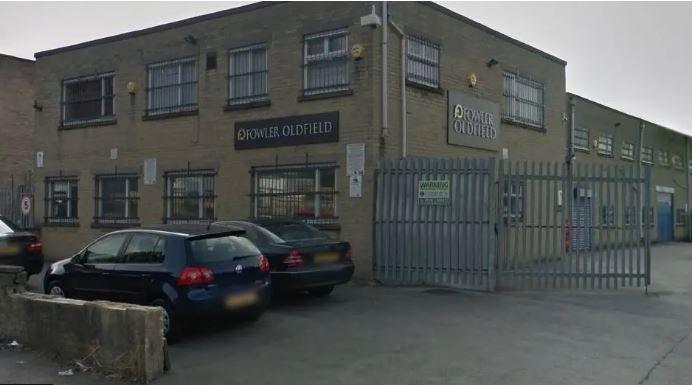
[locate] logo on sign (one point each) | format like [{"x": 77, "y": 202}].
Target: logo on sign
[{"x": 288, "y": 131}]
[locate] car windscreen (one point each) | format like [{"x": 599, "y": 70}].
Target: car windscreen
[
  {"x": 224, "y": 248},
  {"x": 295, "y": 231},
  {"x": 7, "y": 227}
]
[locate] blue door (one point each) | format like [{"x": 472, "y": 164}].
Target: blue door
[{"x": 665, "y": 216}]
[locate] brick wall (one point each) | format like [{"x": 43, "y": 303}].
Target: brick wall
[{"x": 16, "y": 116}]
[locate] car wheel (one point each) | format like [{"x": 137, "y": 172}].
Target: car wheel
[
  {"x": 171, "y": 329},
  {"x": 322, "y": 291},
  {"x": 56, "y": 288}
]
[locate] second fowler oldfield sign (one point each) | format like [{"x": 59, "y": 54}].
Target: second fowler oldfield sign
[{"x": 433, "y": 192}]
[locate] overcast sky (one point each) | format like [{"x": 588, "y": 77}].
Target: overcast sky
[{"x": 634, "y": 57}]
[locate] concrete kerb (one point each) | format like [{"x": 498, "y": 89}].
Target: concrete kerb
[{"x": 110, "y": 338}]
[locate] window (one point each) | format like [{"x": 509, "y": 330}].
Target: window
[
  {"x": 689, "y": 166},
  {"x": 247, "y": 69},
  {"x": 676, "y": 160},
  {"x": 630, "y": 216},
  {"x": 222, "y": 249},
  {"x": 325, "y": 62},
  {"x": 307, "y": 193},
  {"x": 581, "y": 138},
  {"x": 61, "y": 200},
  {"x": 605, "y": 144},
  {"x": 116, "y": 199},
  {"x": 680, "y": 215},
  {"x": 189, "y": 196},
  {"x": 523, "y": 100},
  {"x": 608, "y": 215},
  {"x": 663, "y": 157},
  {"x": 105, "y": 250},
  {"x": 647, "y": 155},
  {"x": 627, "y": 151},
  {"x": 650, "y": 216},
  {"x": 145, "y": 248},
  {"x": 87, "y": 99},
  {"x": 422, "y": 62},
  {"x": 172, "y": 87},
  {"x": 513, "y": 201}
]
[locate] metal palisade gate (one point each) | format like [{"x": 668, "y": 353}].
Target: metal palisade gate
[
  {"x": 580, "y": 227},
  {"x": 435, "y": 222},
  {"x": 17, "y": 200}
]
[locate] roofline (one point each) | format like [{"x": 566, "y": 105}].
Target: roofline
[
  {"x": 570, "y": 94},
  {"x": 491, "y": 31},
  {"x": 4, "y": 55},
  {"x": 161, "y": 27}
]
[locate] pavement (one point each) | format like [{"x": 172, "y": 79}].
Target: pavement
[{"x": 415, "y": 335}]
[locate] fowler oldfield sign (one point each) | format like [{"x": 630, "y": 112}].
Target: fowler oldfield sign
[
  {"x": 288, "y": 131},
  {"x": 472, "y": 122},
  {"x": 433, "y": 192}
]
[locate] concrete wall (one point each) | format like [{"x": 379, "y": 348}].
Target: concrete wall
[
  {"x": 16, "y": 116},
  {"x": 111, "y": 338}
]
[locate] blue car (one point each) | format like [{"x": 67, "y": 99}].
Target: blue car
[{"x": 190, "y": 271}]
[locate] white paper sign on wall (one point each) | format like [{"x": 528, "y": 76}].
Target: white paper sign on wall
[
  {"x": 39, "y": 159},
  {"x": 150, "y": 171}
]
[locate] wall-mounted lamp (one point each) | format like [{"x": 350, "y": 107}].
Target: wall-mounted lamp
[
  {"x": 37, "y": 106},
  {"x": 131, "y": 88},
  {"x": 190, "y": 39},
  {"x": 492, "y": 62}
]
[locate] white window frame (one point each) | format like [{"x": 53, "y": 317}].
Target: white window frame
[
  {"x": 69, "y": 209},
  {"x": 663, "y": 157},
  {"x": 103, "y": 117},
  {"x": 676, "y": 164},
  {"x": 647, "y": 150},
  {"x": 414, "y": 57},
  {"x": 325, "y": 55},
  {"x": 199, "y": 175},
  {"x": 605, "y": 144},
  {"x": 585, "y": 130},
  {"x": 511, "y": 112},
  {"x": 253, "y": 96},
  {"x": 179, "y": 107},
  {"x": 99, "y": 198},
  {"x": 630, "y": 154}
]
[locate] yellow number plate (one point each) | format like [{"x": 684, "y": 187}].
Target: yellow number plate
[
  {"x": 9, "y": 249},
  {"x": 236, "y": 300},
  {"x": 326, "y": 258}
]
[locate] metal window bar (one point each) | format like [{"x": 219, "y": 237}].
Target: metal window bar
[
  {"x": 87, "y": 99},
  {"x": 605, "y": 145},
  {"x": 172, "y": 87},
  {"x": 189, "y": 196},
  {"x": 325, "y": 62},
  {"x": 248, "y": 73},
  {"x": 305, "y": 192},
  {"x": 581, "y": 138},
  {"x": 116, "y": 199},
  {"x": 627, "y": 151},
  {"x": 524, "y": 101},
  {"x": 423, "y": 62},
  {"x": 61, "y": 200}
]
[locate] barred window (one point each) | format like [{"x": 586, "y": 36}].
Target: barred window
[
  {"x": 627, "y": 151},
  {"x": 680, "y": 215},
  {"x": 172, "y": 86},
  {"x": 689, "y": 166},
  {"x": 116, "y": 199},
  {"x": 605, "y": 144},
  {"x": 663, "y": 157},
  {"x": 87, "y": 99},
  {"x": 513, "y": 201},
  {"x": 523, "y": 100},
  {"x": 647, "y": 155},
  {"x": 581, "y": 138},
  {"x": 607, "y": 215},
  {"x": 247, "y": 69},
  {"x": 676, "y": 160},
  {"x": 189, "y": 196},
  {"x": 422, "y": 62},
  {"x": 650, "y": 215},
  {"x": 325, "y": 62},
  {"x": 307, "y": 193},
  {"x": 630, "y": 216},
  {"x": 61, "y": 200}
]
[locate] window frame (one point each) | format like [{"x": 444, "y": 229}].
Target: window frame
[
  {"x": 676, "y": 161},
  {"x": 202, "y": 197},
  {"x": 605, "y": 144},
  {"x": 424, "y": 61},
  {"x": 647, "y": 151},
  {"x": 100, "y": 119},
  {"x": 179, "y": 108},
  {"x": 126, "y": 219},
  {"x": 122, "y": 259},
  {"x": 630, "y": 146},
  {"x": 510, "y": 113},
  {"x": 72, "y": 203},
  {"x": 254, "y": 97},
  {"x": 579, "y": 147},
  {"x": 317, "y": 192},
  {"x": 325, "y": 56},
  {"x": 508, "y": 213},
  {"x": 663, "y": 157}
]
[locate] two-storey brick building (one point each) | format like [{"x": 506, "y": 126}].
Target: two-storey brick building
[{"x": 16, "y": 117}]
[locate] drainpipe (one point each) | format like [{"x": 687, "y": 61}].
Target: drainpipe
[
  {"x": 572, "y": 116},
  {"x": 641, "y": 175},
  {"x": 689, "y": 193},
  {"x": 385, "y": 39},
  {"x": 403, "y": 88}
]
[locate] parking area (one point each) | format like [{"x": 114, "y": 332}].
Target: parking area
[{"x": 366, "y": 335}]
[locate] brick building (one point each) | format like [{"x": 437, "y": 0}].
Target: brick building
[
  {"x": 279, "y": 109},
  {"x": 16, "y": 117}
]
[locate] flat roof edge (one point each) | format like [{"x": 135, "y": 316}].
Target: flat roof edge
[
  {"x": 4, "y": 55},
  {"x": 496, "y": 33},
  {"x": 161, "y": 27}
]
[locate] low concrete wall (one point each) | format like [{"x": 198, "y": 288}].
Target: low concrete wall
[{"x": 110, "y": 337}]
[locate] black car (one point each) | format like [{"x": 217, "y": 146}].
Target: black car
[
  {"x": 20, "y": 248},
  {"x": 301, "y": 257},
  {"x": 191, "y": 271}
]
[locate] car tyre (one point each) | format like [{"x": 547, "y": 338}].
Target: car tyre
[
  {"x": 171, "y": 326},
  {"x": 321, "y": 291},
  {"x": 56, "y": 288}
]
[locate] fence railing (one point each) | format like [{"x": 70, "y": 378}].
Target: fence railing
[{"x": 17, "y": 200}]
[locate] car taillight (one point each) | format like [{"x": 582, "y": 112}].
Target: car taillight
[
  {"x": 293, "y": 259},
  {"x": 192, "y": 275},
  {"x": 34, "y": 246},
  {"x": 348, "y": 254},
  {"x": 263, "y": 264}
]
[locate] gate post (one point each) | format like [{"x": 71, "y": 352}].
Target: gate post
[
  {"x": 500, "y": 252},
  {"x": 647, "y": 225}
]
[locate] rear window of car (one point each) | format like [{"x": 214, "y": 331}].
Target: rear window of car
[
  {"x": 295, "y": 231},
  {"x": 218, "y": 249},
  {"x": 7, "y": 226}
]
